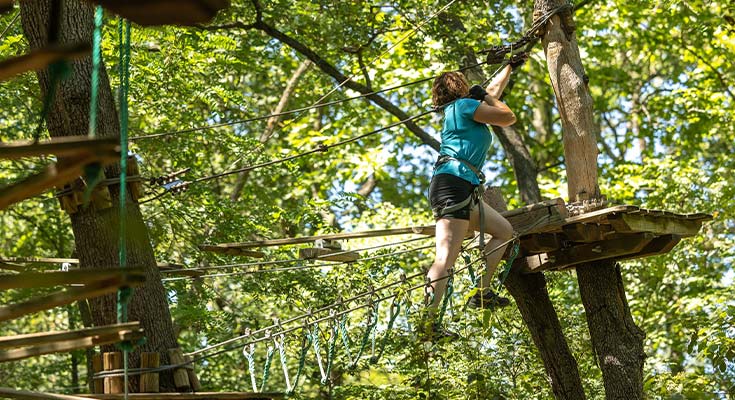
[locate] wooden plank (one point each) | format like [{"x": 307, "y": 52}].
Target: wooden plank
[
  {"x": 67, "y": 146},
  {"x": 41, "y": 58},
  {"x": 613, "y": 248},
  {"x": 660, "y": 245},
  {"x": 522, "y": 219},
  {"x": 540, "y": 243},
  {"x": 113, "y": 361},
  {"x": 657, "y": 225},
  {"x": 191, "y": 396},
  {"x": 56, "y": 278},
  {"x": 70, "y": 296},
  {"x": 29, "y": 395},
  {"x": 149, "y": 382},
  {"x": 165, "y": 12},
  {"x": 53, "y": 175},
  {"x": 231, "y": 251},
  {"x": 591, "y": 217},
  {"x": 181, "y": 377},
  {"x": 328, "y": 255},
  {"x": 70, "y": 345},
  {"x": 32, "y": 339},
  {"x": 586, "y": 233}
]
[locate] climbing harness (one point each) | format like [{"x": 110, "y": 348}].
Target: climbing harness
[{"x": 473, "y": 200}]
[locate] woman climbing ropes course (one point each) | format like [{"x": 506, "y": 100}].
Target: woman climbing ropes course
[{"x": 456, "y": 187}]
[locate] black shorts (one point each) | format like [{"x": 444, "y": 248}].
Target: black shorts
[{"x": 446, "y": 190}]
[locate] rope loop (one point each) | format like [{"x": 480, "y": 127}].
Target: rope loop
[
  {"x": 305, "y": 344},
  {"x": 249, "y": 352}
]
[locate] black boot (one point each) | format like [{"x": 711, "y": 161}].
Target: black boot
[{"x": 487, "y": 299}]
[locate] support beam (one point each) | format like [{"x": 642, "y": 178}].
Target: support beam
[
  {"x": 57, "y": 342},
  {"x": 41, "y": 58},
  {"x": 70, "y": 296},
  {"x": 67, "y": 146}
]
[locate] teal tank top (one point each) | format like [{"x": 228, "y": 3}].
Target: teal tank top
[{"x": 462, "y": 137}]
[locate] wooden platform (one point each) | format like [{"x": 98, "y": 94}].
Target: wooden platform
[
  {"x": 75, "y": 154},
  {"x": 95, "y": 288},
  {"x": 551, "y": 239},
  {"x": 41, "y": 58},
  {"x": 618, "y": 233},
  {"x": 35, "y": 344},
  {"x": 165, "y": 12},
  {"x": 192, "y": 396},
  {"x": 68, "y": 146},
  {"x": 529, "y": 218},
  {"x": 25, "y": 394}
]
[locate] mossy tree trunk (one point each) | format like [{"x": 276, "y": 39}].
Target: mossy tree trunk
[{"x": 95, "y": 230}]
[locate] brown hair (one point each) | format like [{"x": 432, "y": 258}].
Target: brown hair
[{"x": 447, "y": 87}]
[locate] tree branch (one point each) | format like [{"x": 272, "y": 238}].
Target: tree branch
[{"x": 330, "y": 70}]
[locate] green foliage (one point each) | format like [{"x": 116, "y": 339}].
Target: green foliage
[{"x": 663, "y": 88}]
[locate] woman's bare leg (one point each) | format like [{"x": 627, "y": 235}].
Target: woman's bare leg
[
  {"x": 449, "y": 235},
  {"x": 500, "y": 229}
]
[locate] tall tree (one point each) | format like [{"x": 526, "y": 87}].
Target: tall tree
[
  {"x": 96, "y": 231},
  {"x": 617, "y": 341}
]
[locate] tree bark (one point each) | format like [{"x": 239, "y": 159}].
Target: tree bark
[
  {"x": 617, "y": 341},
  {"x": 96, "y": 231},
  {"x": 524, "y": 167}
]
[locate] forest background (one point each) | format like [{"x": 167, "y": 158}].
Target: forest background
[{"x": 660, "y": 74}]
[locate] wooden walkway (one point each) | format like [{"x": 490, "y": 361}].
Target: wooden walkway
[
  {"x": 25, "y": 394},
  {"x": 551, "y": 240}
]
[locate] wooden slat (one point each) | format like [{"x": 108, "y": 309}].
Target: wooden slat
[
  {"x": 67, "y": 146},
  {"x": 165, "y": 12},
  {"x": 28, "y": 395},
  {"x": 660, "y": 245},
  {"x": 52, "y": 175},
  {"x": 71, "y": 295},
  {"x": 70, "y": 345},
  {"x": 587, "y": 233},
  {"x": 191, "y": 396},
  {"x": 613, "y": 248},
  {"x": 534, "y": 215},
  {"x": 40, "y": 58},
  {"x": 47, "y": 337},
  {"x": 230, "y": 251},
  {"x": 328, "y": 255},
  {"x": 657, "y": 225},
  {"x": 540, "y": 243},
  {"x": 56, "y": 278}
]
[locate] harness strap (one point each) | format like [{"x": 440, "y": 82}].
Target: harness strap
[{"x": 475, "y": 198}]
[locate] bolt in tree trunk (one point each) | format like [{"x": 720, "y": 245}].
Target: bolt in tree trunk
[
  {"x": 616, "y": 339},
  {"x": 96, "y": 231}
]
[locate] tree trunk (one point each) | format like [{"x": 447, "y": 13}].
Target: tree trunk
[
  {"x": 524, "y": 167},
  {"x": 532, "y": 299},
  {"x": 617, "y": 341},
  {"x": 96, "y": 231}
]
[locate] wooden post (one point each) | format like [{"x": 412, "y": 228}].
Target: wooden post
[
  {"x": 149, "y": 381},
  {"x": 98, "y": 383},
  {"x": 112, "y": 361},
  {"x": 181, "y": 376},
  {"x": 193, "y": 379}
]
